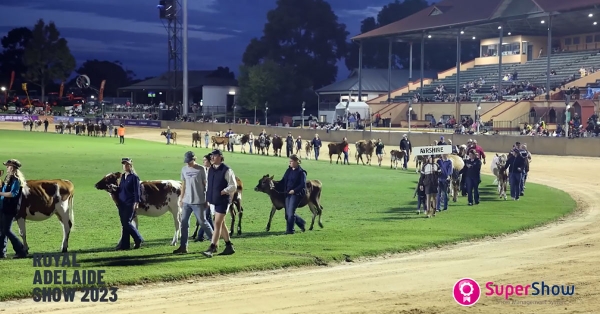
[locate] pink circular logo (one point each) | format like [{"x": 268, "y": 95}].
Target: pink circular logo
[{"x": 466, "y": 292}]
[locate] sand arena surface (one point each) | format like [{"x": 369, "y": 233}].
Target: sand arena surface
[{"x": 565, "y": 252}]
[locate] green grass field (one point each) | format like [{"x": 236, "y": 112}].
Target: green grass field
[{"x": 367, "y": 211}]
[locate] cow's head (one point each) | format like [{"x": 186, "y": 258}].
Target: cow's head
[
  {"x": 265, "y": 184},
  {"x": 163, "y": 133},
  {"x": 111, "y": 178}
]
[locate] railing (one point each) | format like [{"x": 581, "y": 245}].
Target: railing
[{"x": 505, "y": 127}]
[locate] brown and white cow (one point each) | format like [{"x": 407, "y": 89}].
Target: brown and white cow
[
  {"x": 158, "y": 197},
  {"x": 173, "y": 136},
  {"x": 308, "y": 148},
  {"x": 43, "y": 198},
  {"x": 499, "y": 170},
  {"x": 219, "y": 140},
  {"x": 312, "y": 198},
  {"x": 396, "y": 157}
]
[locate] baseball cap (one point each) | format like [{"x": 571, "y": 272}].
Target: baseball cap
[
  {"x": 189, "y": 157},
  {"x": 216, "y": 152}
]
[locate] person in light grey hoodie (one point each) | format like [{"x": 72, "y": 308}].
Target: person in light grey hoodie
[{"x": 193, "y": 199}]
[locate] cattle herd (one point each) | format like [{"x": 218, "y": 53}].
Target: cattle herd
[{"x": 42, "y": 199}]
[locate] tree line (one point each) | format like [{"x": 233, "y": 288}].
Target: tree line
[{"x": 301, "y": 44}]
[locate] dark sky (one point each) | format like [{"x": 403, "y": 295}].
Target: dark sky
[{"x": 131, "y": 32}]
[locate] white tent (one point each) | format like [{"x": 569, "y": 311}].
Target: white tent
[{"x": 361, "y": 107}]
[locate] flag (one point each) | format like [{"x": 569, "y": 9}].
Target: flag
[
  {"x": 62, "y": 89},
  {"x": 12, "y": 79},
  {"x": 101, "y": 93},
  {"x": 24, "y": 86}
]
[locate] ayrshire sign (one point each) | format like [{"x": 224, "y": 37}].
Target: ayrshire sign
[{"x": 432, "y": 150}]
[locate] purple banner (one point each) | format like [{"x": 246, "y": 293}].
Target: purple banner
[
  {"x": 58, "y": 119},
  {"x": 16, "y": 117}
]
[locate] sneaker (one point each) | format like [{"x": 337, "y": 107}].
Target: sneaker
[
  {"x": 229, "y": 250},
  {"x": 470, "y": 204},
  {"x": 138, "y": 245},
  {"x": 211, "y": 250},
  {"x": 180, "y": 250}
]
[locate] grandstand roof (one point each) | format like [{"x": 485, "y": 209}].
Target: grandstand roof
[
  {"x": 196, "y": 79},
  {"x": 480, "y": 18},
  {"x": 374, "y": 80}
]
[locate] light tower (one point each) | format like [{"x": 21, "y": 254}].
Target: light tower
[{"x": 170, "y": 15}]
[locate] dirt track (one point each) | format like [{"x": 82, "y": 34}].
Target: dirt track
[{"x": 561, "y": 253}]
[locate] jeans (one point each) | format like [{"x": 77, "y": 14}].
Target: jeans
[
  {"x": 472, "y": 189},
  {"x": 205, "y": 212},
  {"x": 7, "y": 234},
  {"x": 198, "y": 211},
  {"x": 291, "y": 204},
  {"x": 346, "y": 158},
  {"x": 442, "y": 194},
  {"x": 206, "y": 142},
  {"x": 126, "y": 214},
  {"x": 421, "y": 201},
  {"x": 523, "y": 178},
  {"x": 514, "y": 179},
  {"x": 316, "y": 153},
  {"x": 168, "y": 138},
  {"x": 289, "y": 149},
  {"x": 406, "y": 158},
  {"x": 122, "y": 139}
]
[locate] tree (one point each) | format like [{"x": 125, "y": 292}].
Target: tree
[
  {"x": 113, "y": 72},
  {"x": 266, "y": 81},
  {"x": 304, "y": 35},
  {"x": 11, "y": 58},
  {"x": 224, "y": 73},
  {"x": 47, "y": 56}
]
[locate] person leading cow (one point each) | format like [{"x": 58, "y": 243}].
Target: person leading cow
[
  {"x": 446, "y": 168},
  {"x": 406, "y": 147},
  {"x": 10, "y": 198},
  {"x": 293, "y": 185},
  {"x": 289, "y": 144}
]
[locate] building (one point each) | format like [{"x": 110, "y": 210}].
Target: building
[
  {"x": 549, "y": 44},
  {"x": 212, "y": 93}
]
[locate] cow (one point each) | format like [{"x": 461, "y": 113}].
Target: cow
[
  {"x": 457, "y": 165},
  {"x": 499, "y": 170},
  {"x": 69, "y": 127},
  {"x": 59, "y": 128},
  {"x": 219, "y": 140},
  {"x": 312, "y": 198},
  {"x": 245, "y": 140},
  {"x": 396, "y": 156},
  {"x": 97, "y": 129},
  {"x": 364, "y": 147},
  {"x": 236, "y": 200},
  {"x": 38, "y": 123},
  {"x": 90, "y": 129},
  {"x": 419, "y": 162},
  {"x": 308, "y": 147},
  {"x": 173, "y": 136},
  {"x": 263, "y": 143},
  {"x": 196, "y": 138},
  {"x": 25, "y": 124},
  {"x": 157, "y": 198},
  {"x": 82, "y": 127},
  {"x": 336, "y": 149},
  {"x": 103, "y": 129},
  {"x": 40, "y": 200},
  {"x": 277, "y": 143}
]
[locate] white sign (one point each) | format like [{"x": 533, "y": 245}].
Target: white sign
[{"x": 432, "y": 150}]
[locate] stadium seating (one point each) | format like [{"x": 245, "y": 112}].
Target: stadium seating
[{"x": 564, "y": 64}]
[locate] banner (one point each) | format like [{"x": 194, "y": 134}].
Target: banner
[
  {"x": 101, "y": 93},
  {"x": 59, "y": 119},
  {"x": 16, "y": 117},
  {"x": 138, "y": 123},
  {"x": 432, "y": 150}
]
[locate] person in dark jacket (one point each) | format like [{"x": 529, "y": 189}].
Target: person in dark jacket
[
  {"x": 12, "y": 188},
  {"x": 293, "y": 185},
  {"x": 316, "y": 143},
  {"x": 407, "y": 148},
  {"x": 442, "y": 141},
  {"x": 289, "y": 144},
  {"x": 515, "y": 165},
  {"x": 128, "y": 199},
  {"x": 473, "y": 177},
  {"x": 420, "y": 192},
  {"x": 221, "y": 186},
  {"x": 429, "y": 174},
  {"x": 446, "y": 168}
]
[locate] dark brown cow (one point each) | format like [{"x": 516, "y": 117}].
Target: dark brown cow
[
  {"x": 97, "y": 129},
  {"x": 90, "y": 129},
  {"x": 219, "y": 140},
  {"x": 173, "y": 136},
  {"x": 336, "y": 149},
  {"x": 59, "y": 127},
  {"x": 312, "y": 198},
  {"x": 158, "y": 197},
  {"x": 236, "y": 200},
  {"x": 196, "y": 138},
  {"x": 103, "y": 129},
  {"x": 396, "y": 156},
  {"x": 82, "y": 127},
  {"x": 69, "y": 127},
  {"x": 277, "y": 143},
  {"x": 44, "y": 198},
  {"x": 366, "y": 148}
]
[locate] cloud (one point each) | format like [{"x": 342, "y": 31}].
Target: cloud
[
  {"x": 17, "y": 16},
  {"x": 362, "y": 13}
]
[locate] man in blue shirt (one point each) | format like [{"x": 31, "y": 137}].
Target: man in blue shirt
[
  {"x": 515, "y": 165},
  {"x": 473, "y": 176},
  {"x": 445, "y": 166},
  {"x": 316, "y": 143}
]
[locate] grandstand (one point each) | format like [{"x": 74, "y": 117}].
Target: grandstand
[{"x": 544, "y": 42}]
